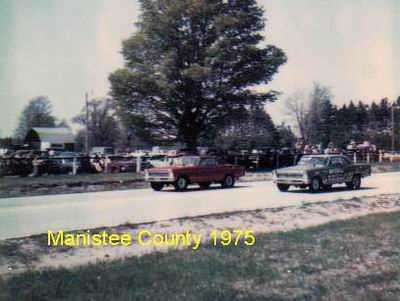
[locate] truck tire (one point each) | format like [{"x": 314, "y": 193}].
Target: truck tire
[
  {"x": 157, "y": 186},
  {"x": 355, "y": 182},
  {"x": 315, "y": 185},
  {"x": 181, "y": 184},
  {"x": 283, "y": 187},
  {"x": 229, "y": 181}
]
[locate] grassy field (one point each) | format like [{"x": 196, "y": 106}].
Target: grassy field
[{"x": 352, "y": 260}]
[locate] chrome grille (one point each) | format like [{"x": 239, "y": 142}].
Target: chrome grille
[
  {"x": 159, "y": 174},
  {"x": 290, "y": 175}
]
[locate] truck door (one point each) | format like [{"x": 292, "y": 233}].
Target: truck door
[
  {"x": 336, "y": 170},
  {"x": 207, "y": 170},
  {"x": 348, "y": 170}
]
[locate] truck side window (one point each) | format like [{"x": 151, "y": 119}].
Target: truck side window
[
  {"x": 336, "y": 161},
  {"x": 346, "y": 161},
  {"x": 208, "y": 162}
]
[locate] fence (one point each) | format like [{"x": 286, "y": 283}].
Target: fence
[{"x": 24, "y": 166}]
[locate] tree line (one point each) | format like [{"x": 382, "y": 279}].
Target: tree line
[{"x": 318, "y": 120}]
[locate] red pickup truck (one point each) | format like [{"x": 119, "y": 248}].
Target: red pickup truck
[{"x": 185, "y": 170}]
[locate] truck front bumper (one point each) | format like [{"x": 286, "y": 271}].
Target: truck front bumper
[
  {"x": 159, "y": 179},
  {"x": 292, "y": 181}
]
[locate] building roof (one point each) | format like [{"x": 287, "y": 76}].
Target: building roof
[{"x": 55, "y": 135}]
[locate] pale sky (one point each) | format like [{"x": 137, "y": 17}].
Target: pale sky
[{"x": 63, "y": 48}]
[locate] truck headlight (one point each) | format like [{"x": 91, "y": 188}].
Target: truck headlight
[
  {"x": 171, "y": 175},
  {"x": 305, "y": 176},
  {"x": 146, "y": 174}
]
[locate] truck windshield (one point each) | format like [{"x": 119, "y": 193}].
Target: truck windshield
[
  {"x": 313, "y": 161},
  {"x": 186, "y": 161}
]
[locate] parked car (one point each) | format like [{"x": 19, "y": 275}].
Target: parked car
[
  {"x": 63, "y": 162},
  {"x": 121, "y": 164},
  {"x": 145, "y": 162},
  {"x": 18, "y": 166},
  {"x": 200, "y": 170},
  {"x": 102, "y": 151},
  {"x": 159, "y": 161},
  {"x": 321, "y": 172},
  {"x": 391, "y": 156}
]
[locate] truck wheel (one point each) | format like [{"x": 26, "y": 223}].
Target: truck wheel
[
  {"x": 228, "y": 182},
  {"x": 355, "y": 183},
  {"x": 315, "y": 185},
  {"x": 157, "y": 186},
  {"x": 181, "y": 184},
  {"x": 283, "y": 187},
  {"x": 204, "y": 185}
]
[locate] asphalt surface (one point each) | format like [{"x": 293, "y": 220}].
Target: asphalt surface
[{"x": 35, "y": 215}]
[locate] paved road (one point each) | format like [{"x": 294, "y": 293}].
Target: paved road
[{"x": 34, "y": 215}]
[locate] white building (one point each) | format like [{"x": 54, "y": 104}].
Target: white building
[{"x": 50, "y": 138}]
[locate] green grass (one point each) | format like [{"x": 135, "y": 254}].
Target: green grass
[
  {"x": 352, "y": 260},
  {"x": 12, "y": 251}
]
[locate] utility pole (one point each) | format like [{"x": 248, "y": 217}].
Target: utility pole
[
  {"x": 394, "y": 105},
  {"x": 392, "y": 127},
  {"x": 87, "y": 124}
]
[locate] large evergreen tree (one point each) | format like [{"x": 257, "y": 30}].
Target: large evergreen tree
[{"x": 191, "y": 64}]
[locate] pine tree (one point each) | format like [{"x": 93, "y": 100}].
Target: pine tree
[
  {"x": 374, "y": 116},
  {"x": 190, "y": 65}
]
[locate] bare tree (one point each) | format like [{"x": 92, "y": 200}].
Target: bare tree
[
  {"x": 103, "y": 124},
  {"x": 296, "y": 108}
]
